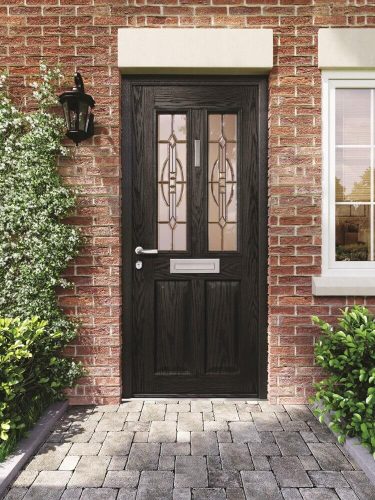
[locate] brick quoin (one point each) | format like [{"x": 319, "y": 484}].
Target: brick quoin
[{"x": 82, "y": 35}]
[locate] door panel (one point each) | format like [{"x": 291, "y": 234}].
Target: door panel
[{"x": 195, "y": 334}]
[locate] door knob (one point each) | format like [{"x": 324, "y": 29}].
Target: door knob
[{"x": 141, "y": 251}]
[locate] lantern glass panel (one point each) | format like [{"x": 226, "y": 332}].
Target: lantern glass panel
[{"x": 83, "y": 115}]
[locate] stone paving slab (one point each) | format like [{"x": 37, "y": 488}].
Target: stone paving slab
[{"x": 200, "y": 449}]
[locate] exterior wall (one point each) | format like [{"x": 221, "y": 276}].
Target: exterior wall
[{"x": 81, "y": 34}]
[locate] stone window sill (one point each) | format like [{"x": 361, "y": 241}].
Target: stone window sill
[{"x": 343, "y": 285}]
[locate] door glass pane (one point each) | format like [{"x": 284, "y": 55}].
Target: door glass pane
[
  {"x": 172, "y": 209},
  {"x": 352, "y": 232},
  {"x": 222, "y": 182}
]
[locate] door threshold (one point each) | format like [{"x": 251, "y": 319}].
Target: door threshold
[{"x": 242, "y": 397}]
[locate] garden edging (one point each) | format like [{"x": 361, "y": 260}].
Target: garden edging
[
  {"x": 359, "y": 453},
  {"x": 29, "y": 445}
]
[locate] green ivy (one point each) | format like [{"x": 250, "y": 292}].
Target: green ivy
[
  {"x": 35, "y": 248},
  {"x": 347, "y": 353}
]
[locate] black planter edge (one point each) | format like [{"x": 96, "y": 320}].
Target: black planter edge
[
  {"x": 358, "y": 453},
  {"x": 10, "y": 468}
]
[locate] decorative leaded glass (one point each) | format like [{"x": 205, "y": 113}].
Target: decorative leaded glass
[
  {"x": 172, "y": 212},
  {"x": 222, "y": 182}
]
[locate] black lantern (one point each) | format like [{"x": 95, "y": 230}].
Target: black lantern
[{"x": 78, "y": 114}]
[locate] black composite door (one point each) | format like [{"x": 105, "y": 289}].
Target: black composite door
[{"x": 195, "y": 173}]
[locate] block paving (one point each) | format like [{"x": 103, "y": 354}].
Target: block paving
[{"x": 204, "y": 449}]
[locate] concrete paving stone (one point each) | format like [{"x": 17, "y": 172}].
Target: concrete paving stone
[
  {"x": 162, "y": 432},
  {"x": 215, "y": 425},
  {"x": 328, "y": 479},
  {"x": 95, "y": 417},
  {"x": 267, "y": 407},
  {"x": 255, "y": 408},
  {"x": 85, "y": 449},
  {"x": 77, "y": 437},
  {"x": 260, "y": 485},
  {"x": 295, "y": 425},
  {"x": 98, "y": 437},
  {"x": 235, "y": 494},
  {"x": 225, "y": 411},
  {"x": 208, "y": 416},
  {"x": 16, "y": 494},
  {"x": 155, "y": 485},
  {"x": 166, "y": 462},
  {"x": 178, "y": 407},
  {"x": 318, "y": 494},
  {"x": 224, "y": 437},
  {"x": 360, "y": 484},
  {"x": 291, "y": 494},
  {"x": 117, "y": 443},
  {"x": 44, "y": 492},
  {"x": 25, "y": 479},
  {"x": 213, "y": 463},
  {"x": 181, "y": 494},
  {"x": 143, "y": 456},
  {"x": 106, "y": 408},
  {"x": 346, "y": 494},
  {"x": 52, "y": 479},
  {"x": 329, "y": 456},
  {"x": 291, "y": 444},
  {"x": 244, "y": 432},
  {"x": 261, "y": 463},
  {"x": 299, "y": 412},
  {"x": 72, "y": 494},
  {"x": 308, "y": 462},
  {"x": 118, "y": 463},
  {"x": 49, "y": 457},
  {"x": 90, "y": 472},
  {"x": 152, "y": 412},
  {"x": 235, "y": 456},
  {"x": 131, "y": 406},
  {"x": 309, "y": 437},
  {"x": 265, "y": 449},
  {"x": 244, "y": 416},
  {"x": 137, "y": 426},
  {"x": 204, "y": 405},
  {"x": 133, "y": 416},
  {"x": 99, "y": 494},
  {"x": 191, "y": 472},
  {"x": 283, "y": 418},
  {"x": 55, "y": 437},
  {"x": 208, "y": 494},
  {"x": 140, "y": 437},
  {"x": 204, "y": 443},
  {"x": 289, "y": 472},
  {"x": 175, "y": 449},
  {"x": 86, "y": 426},
  {"x": 325, "y": 436},
  {"x": 267, "y": 437},
  {"x": 190, "y": 422},
  {"x": 224, "y": 479},
  {"x": 70, "y": 462},
  {"x": 126, "y": 494},
  {"x": 183, "y": 436},
  {"x": 111, "y": 422},
  {"x": 266, "y": 422},
  {"x": 171, "y": 417},
  {"x": 121, "y": 479}
]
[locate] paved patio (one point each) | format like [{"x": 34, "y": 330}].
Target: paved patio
[{"x": 182, "y": 449}]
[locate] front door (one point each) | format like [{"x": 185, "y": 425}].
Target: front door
[{"x": 195, "y": 170}]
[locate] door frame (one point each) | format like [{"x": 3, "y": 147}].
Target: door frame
[{"x": 127, "y": 250}]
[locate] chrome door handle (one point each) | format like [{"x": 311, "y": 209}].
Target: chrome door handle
[{"x": 141, "y": 251}]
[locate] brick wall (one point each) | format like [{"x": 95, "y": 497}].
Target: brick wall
[{"x": 82, "y": 34}]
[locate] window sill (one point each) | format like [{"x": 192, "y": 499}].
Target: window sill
[{"x": 343, "y": 285}]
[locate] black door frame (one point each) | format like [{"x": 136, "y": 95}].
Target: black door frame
[{"x": 127, "y": 83}]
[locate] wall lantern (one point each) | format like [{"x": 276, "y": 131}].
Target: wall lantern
[{"x": 78, "y": 114}]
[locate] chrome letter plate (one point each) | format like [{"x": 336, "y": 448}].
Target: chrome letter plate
[{"x": 195, "y": 266}]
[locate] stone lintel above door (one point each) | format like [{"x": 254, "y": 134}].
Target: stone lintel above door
[{"x": 195, "y": 51}]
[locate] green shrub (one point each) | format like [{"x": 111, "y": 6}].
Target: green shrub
[
  {"x": 347, "y": 353},
  {"x": 32, "y": 374},
  {"x": 35, "y": 247}
]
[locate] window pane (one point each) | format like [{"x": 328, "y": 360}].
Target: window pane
[
  {"x": 353, "y": 112},
  {"x": 353, "y": 174},
  {"x": 222, "y": 182},
  {"x": 352, "y": 232},
  {"x": 172, "y": 209}
]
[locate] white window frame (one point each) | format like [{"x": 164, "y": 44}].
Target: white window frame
[{"x": 331, "y": 80}]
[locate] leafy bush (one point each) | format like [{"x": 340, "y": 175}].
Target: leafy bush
[
  {"x": 32, "y": 373},
  {"x": 35, "y": 247},
  {"x": 347, "y": 352}
]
